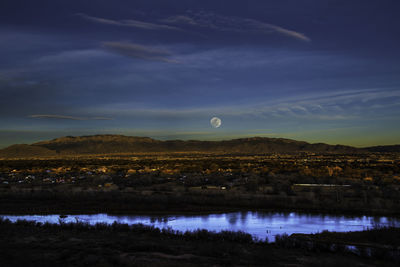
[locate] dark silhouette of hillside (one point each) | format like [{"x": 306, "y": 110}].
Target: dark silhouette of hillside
[
  {"x": 386, "y": 149},
  {"x": 111, "y": 144}
]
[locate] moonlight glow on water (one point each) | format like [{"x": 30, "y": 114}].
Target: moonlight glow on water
[{"x": 258, "y": 224}]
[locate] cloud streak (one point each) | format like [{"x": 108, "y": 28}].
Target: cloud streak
[
  {"x": 129, "y": 23},
  {"x": 282, "y": 31},
  {"x": 233, "y": 24},
  {"x": 204, "y": 20},
  {"x": 65, "y": 117},
  {"x": 138, "y": 51}
]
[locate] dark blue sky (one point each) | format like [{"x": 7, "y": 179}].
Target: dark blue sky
[{"x": 313, "y": 70}]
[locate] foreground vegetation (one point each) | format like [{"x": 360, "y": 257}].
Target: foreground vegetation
[
  {"x": 80, "y": 244},
  {"x": 379, "y": 243}
]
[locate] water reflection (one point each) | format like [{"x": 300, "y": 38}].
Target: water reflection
[
  {"x": 232, "y": 218},
  {"x": 258, "y": 224},
  {"x": 204, "y": 218}
]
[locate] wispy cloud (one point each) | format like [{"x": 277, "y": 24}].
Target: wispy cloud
[
  {"x": 129, "y": 23},
  {"x": 328, "y": 107},
  {"x": 205, "y": 20},
  {"x": 65, "y": 117},
  {"x": 71, "y": 56},
  {"x": 181, "y": 19},
  {"x": 232, "y": 24},
  {"x": 281, "y": 30},
  {"x": 139, "y": 51}
]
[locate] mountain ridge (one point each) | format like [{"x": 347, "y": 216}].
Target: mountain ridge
[{"x": 112, "y": 144}]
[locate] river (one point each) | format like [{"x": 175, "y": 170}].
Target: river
[{"x": 259, "y": 224}]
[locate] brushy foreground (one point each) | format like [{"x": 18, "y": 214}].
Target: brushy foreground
[{"x": 27, "y": 243}]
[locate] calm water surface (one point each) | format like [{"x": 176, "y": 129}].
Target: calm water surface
[{"x": 258, "y": 224}]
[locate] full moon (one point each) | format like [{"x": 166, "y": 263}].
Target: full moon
[{"x": 215, "y": 122}]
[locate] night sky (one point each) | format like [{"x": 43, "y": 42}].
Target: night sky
[{"x": 312, "y": 70}]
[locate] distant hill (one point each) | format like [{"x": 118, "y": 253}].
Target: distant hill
[
  {"x": 21, "y": 151},
  {"x": 110, "y": 144},
  {"x": 390, "y": 148}
]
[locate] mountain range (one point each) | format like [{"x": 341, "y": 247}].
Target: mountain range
[{"x": 114, "y": 144}]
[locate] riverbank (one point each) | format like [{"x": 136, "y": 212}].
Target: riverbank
[
  {"x": 138, "y": 245},
  {"x": 379, "y": 242},
  {"x": 159, "y": 202}
]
